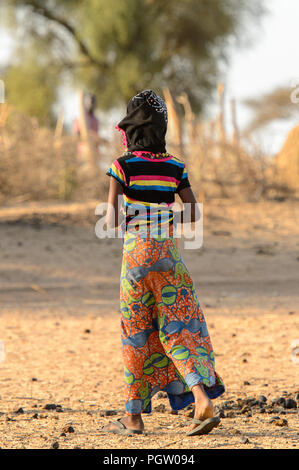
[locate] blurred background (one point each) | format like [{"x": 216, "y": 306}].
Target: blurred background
[
  {"x": 226, "y": 69},
  {"x": 228, "y": 72}
]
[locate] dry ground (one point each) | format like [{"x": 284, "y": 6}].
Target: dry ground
[{"x": 59, "y": 324}]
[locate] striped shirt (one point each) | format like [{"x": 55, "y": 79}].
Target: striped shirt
[{"x": 149, "y": 186}]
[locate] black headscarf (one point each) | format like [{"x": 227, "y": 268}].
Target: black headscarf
[{"x": 145, "y": 124}]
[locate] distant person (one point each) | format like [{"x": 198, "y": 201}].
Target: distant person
[
  {"x": 92, "y": 122},
  {"x": 92, "y": 127},
  {"x": 166, "y": 344}
]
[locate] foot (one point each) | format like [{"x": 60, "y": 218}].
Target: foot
[
  {"x": 130, "y": 422},
  {"x": 204, "y": 409}
]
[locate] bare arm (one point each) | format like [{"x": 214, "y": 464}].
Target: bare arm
[
  {"x": 187, "y": 197},
  {"x": 113, "y": 218}
]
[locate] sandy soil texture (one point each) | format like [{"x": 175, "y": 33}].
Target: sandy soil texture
[{"x": 60, "y": 350}]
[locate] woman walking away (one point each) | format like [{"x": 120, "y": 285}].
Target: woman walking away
[{"x": 166, "y": 344}]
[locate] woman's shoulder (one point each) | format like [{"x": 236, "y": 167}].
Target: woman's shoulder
[{"x": 178, "y": 161}]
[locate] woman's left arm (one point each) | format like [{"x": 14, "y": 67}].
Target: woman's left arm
[
  {"x": 187, "y": 197},
  {"x": 113, "y": 217}
]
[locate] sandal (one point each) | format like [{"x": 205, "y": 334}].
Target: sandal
[
  {"x": 121, "y": 429},
  {"x": 205, "y": 426}
]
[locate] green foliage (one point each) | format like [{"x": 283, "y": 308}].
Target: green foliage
[
  {"x": 31, "y": 88},
  {"x": 115, "y": 48}
]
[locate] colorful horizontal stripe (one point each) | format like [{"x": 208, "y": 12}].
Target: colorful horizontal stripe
[{"x": 149, "y": 183}]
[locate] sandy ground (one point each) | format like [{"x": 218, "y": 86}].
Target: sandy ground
[{"x": 59, "y": 328}]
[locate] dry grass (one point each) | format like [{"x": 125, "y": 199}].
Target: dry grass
[{"x": 37, "y": 165}]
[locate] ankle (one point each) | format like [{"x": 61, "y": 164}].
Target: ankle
[{"x": 135, "y": 418}]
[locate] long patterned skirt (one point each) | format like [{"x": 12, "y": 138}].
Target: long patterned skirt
[{"x": 166, "y": 344}]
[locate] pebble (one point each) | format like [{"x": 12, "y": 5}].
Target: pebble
[
  {"x": 290, "y": 403},
  {"x": 68, "y": 428},
  {"x": 278, "y": 401},
  {"x": 55, "y": 445},
  {"x": 108, "y": 413},
  {"x": 51, "y": 406},
  {"x": 262, "y": 399},
  {"x": 244, "y": 440},
  {"x": 281, "y": 422},
  {"x": 246, "y": 382},
  {"x": 245, "y": 409},
  {"x": 272, "y": 420}
]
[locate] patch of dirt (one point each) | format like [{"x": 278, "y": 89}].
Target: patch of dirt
[{"x": 61, "y": 369}]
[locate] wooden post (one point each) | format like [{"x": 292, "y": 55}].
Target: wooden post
[
  {"x": 174, "y": 121},
  {"x": 89, "y": 151},
  {"x": 221, "y": 118},
  {"x": 236, "y": 134}
]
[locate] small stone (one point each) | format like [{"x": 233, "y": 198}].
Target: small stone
[
  {"x": 240, "y": 402},
  {"x": 290, "y": 403},
  {"x": 87, "y": 331},
  {"x": 68, "y": 429},
  {"x": 278, "y": 401},
  {"x": 174, "y": 412},
  {"x": 281, "y": 422},
  {"x": 55, "y": 445},
  {"x": 262, "y": 399},
  {"x": 35, "y": 416},
  {"x": 244, "y": 440},
  {"x": 108, "y": 413},
  {"x": 20, "y": 411},
  {"x": 244, "y": 360},
  {"x": 34, "y": 379},
  {"x": 245, "y": 409},
  {"x": 50, "y": 406},
  {"x": 63, "y": 434},
  {"x": 251, "y": 401},
  {"x": 246, "y": 382},
  {"x": 9, "y": 419}
]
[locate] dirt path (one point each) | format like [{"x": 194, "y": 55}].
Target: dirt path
[{"x": 59, "y": 327}]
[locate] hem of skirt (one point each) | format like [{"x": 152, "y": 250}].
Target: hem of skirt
[{"x": 179, "y": 402}]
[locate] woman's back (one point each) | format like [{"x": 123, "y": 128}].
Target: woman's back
[{"x": 149, "y": 183}]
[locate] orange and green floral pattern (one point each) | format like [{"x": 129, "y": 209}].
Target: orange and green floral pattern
[{"x": 166, "y": 344}]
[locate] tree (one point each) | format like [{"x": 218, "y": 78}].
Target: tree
[
  {"x": 118, "y": 47},
  {"x": 270, "y": 107}
]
